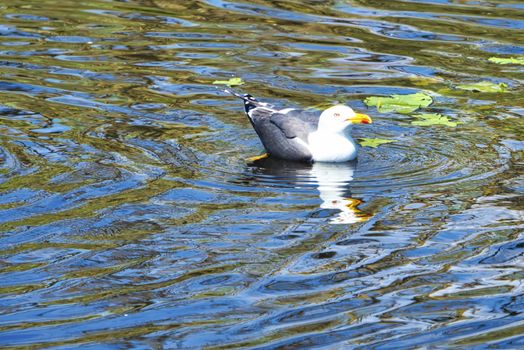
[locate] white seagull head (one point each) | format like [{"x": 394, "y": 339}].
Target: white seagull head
[{"x": 338, "y": 118}]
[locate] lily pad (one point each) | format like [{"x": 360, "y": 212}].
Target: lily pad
[
  {"x": 399, "y": 103},
  {"x": 374, "y": 143},
  {"x": 428, "y": 119},
  {"x": 484, "y": 86},
  {"x": 230, "y": 82},
  {"x": 508, "y": 60}
]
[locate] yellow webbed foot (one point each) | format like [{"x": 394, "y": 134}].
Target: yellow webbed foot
[{"x": 255, "y": 158}]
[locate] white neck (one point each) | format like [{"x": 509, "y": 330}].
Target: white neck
[{"x": 329, "y": 146}]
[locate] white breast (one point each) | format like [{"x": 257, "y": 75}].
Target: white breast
[{"x": 329, "y": 147}]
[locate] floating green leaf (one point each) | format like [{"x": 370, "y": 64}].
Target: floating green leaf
[
  {"x": 230, "y": 82},
  {"x": 428, "y": 119},
  {"x": 484, "y": 86},
  {"x": 365, "y": 142},
  {"x": 508, "y": 60},
  {"x": 399, "y": 103}
]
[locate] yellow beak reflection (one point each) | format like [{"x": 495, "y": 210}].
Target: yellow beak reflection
[{"x": 349, "y": 213}]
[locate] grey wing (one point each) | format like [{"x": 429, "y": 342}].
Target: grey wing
[
  {"x": 310, "y": 118},
  {"x": 280, "y": 134},
  {"x": 292, "y": 126}
]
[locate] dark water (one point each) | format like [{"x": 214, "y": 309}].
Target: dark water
[{"x": 130, "y": 218}]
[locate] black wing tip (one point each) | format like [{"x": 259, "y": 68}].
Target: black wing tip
[
  {"x": 231, "y": 91},
  {"x": 248, "y": 103}
]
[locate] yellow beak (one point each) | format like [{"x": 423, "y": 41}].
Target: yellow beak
[{"x": 360, "y": 118}]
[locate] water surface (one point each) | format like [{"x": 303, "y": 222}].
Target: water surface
[{"x": 130, "y": 217}]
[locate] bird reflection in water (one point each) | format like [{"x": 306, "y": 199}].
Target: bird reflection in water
[{"x": 332, "y": 180}]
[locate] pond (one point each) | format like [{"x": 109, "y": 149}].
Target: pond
[{"x": 132, "y": 217}]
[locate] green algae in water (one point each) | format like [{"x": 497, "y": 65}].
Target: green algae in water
[
  {"x": 403, "y": 104},
  {"x": 230, "y": 82},
  {"x": 484, "y": 86},
  {"x": 507, "y": 60},
  {"x": 373, "y": 142},
  {"x": 428, "y": 119}
]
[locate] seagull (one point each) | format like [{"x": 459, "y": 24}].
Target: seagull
[{"x": 297, "y": 135}]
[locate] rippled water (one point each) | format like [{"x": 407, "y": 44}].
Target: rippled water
[{"x": 130, "y": 217}]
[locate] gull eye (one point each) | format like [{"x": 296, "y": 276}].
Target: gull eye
[{"x": 336, "y": 115}]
